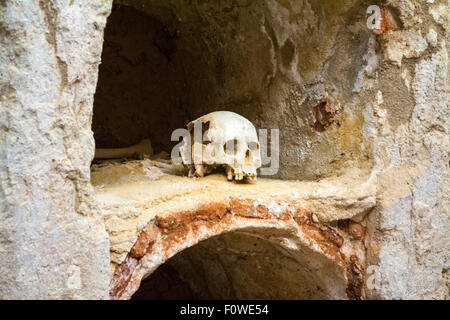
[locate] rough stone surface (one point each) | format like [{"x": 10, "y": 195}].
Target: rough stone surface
[{"x": 53, "y": 244}]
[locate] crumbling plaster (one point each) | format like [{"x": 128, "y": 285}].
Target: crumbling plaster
[{"x": 270, "y": 61}]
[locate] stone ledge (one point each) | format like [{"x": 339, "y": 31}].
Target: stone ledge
[{"x": 149, "y": 221}]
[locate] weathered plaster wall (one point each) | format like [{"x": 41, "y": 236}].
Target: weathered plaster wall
[
  {"x": 166, "y": 63},
  {"x": 409, "y": 244},
  {"x": 53, "y": 244}
]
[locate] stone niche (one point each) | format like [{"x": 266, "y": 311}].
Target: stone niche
[{"x": 296, "y": 66}]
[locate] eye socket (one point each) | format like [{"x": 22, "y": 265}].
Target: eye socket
[
  {"x": 204, "y": 126},
  {"x": 231, "y": 146}
]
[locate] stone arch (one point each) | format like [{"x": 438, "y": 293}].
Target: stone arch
[{"x": 331, "y": 263}]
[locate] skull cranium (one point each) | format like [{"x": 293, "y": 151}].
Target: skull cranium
[{"x": 222, "y": 139}]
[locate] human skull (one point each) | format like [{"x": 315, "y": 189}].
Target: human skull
[{"x": 222, "y": 139}]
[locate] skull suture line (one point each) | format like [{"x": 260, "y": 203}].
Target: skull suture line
[{"x": 222, "y": 139}]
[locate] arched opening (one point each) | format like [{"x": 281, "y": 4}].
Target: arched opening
[{"x": 247, "y": 264}]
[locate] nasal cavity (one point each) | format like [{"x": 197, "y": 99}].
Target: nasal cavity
[{"x": 247, "y": 157}]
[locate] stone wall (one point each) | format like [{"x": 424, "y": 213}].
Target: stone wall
[
  {"x": 53, "y": 243},
  {"x": 275, "y": 62}
]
